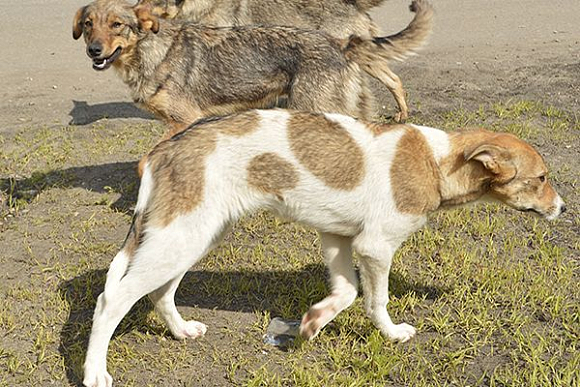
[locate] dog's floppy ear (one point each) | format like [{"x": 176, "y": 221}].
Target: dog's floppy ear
[
  {"x": 78, "y": 23},
  {"x": 494, "y": 158},
  {"x": 147, "y": 21}
]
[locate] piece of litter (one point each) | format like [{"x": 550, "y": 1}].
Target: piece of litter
[{"x": 281, "y": 332}]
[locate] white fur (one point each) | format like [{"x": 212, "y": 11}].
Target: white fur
[
  {"x": 559, "y": 205},
  {"x": 144, "y": 189},
  {"x": 437, "y": 139},
  {"x": 364, "y": 219}
]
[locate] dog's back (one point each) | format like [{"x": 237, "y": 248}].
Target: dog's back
[
  {"x": 314, "y": 168},
  {"x": 215, "y": 71},
  {"x": 339, "y": 18}
]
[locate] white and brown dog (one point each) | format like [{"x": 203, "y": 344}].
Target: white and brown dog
[{"x": 365, "y": 187}]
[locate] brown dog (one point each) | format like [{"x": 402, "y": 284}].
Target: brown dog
[{"x": 182, "y": 71}]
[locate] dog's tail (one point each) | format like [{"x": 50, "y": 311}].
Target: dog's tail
[
  {"x": 398, "y": 46},
  {"x": 365, "y": 5},
  {"x": 120, "y": 263}
]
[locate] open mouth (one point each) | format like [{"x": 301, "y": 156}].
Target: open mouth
[{"x": 104, "y": 63}]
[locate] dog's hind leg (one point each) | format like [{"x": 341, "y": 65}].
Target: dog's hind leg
[
  {"x": 376, "y": 255},
  {"x": 164, "y": 301},
  {"x": 338, "y": 257},
  {"x": 161, "y": 260},
  {"x": 395, "y": 86}
]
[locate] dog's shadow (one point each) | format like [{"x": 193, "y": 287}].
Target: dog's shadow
[
  {"x": 119, "y": 178},
  {"x": 197, "y": 289},
  {"x": 82, "y": 113}
]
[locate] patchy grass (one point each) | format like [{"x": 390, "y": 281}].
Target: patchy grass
[{"x": 493, "y": 293}]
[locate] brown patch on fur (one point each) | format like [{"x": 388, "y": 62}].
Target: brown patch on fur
[
  {"x": 270, "y": 173},
  {"x": 178, "y": 164},
  {"x": 463, "y": 182},
  {"x": 327, "y": 150},
  {"x": 178, "y": 169},
  {"x": 241, "y": 124},
  {"x": 415, "y": 175},
  {"x": 378, "y": 129}
]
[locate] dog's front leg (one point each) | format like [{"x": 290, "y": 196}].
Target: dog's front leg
[
  {"x": 376, "y": 256},
  {"x": 338, "y": 257}
]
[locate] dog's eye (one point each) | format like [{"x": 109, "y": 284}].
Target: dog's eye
[
  {"x": 117, "y": 25},
  {"x": 88, "y": 23},
  {"x": 542, "y": 178}
]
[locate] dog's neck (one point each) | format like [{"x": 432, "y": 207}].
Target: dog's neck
[
  {"x": 138, "y": 66},
  {"x": 462, "y": 181}
]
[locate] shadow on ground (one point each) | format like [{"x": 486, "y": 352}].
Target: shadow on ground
[
  {"x": 247, "y": 291},
  {"x": 82, "y": 113},
  {"x": 114, "y": 177}
]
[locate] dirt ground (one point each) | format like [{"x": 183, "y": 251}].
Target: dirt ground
[{"x": 75, "y": 199}]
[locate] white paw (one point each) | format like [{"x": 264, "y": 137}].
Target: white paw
[
  {"x": 97, "y": 379},
  {"x": 400, "y": 332},
  {"x": 191, "y": 330}
]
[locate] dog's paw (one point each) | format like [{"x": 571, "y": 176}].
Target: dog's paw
[
  {"x": 313, "y": 321},
  {"x": 191, "y": 330},
  {"x": 401, "y": 117},
  {"x": 309, "y": 327},
  {"x": 400, "y": 332},
  {"x": 97, "y": 379}
]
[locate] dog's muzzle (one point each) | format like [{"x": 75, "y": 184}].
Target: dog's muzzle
[
  {"x": 104, "y": 63},
  {"x": 556, "y": 211}
]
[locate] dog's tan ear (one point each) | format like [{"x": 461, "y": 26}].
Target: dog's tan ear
[
  {"x": 147, "y": 21},
  {"x": 78, "y": 23},
  {"x": 494, "y": 158}
]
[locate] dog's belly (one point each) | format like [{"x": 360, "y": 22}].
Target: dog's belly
[{"x": 323, "y": 218}]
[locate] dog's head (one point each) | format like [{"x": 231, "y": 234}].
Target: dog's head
[
  {"x": 519, "y": 175},
  {"x": 111, "y": 28}
]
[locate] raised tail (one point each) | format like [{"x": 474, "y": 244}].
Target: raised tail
[
  {"x": 373, "y": 55},
  {"x": 398, "y": 46},
  {"x": 365, "y": 5}
]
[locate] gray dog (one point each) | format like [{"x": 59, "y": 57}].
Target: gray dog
[{"x": 182, "y": 71}]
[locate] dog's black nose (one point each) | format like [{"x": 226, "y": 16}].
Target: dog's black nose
[
  {"x": 563, "y": 209},
  {"x": 95, "y": 50}
]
